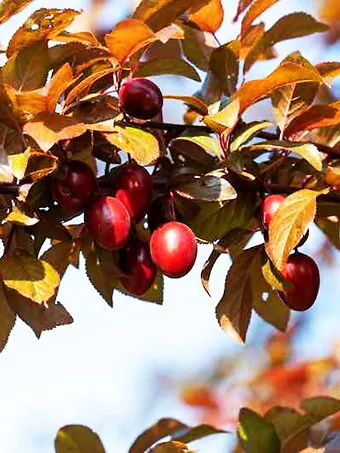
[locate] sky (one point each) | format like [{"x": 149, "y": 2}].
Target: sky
[{"x": 100, "y": 371}]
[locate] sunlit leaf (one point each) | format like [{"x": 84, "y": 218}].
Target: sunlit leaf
[
  {"x": 171, "y": 66},
  {"x": 31, "y": 102},
  {"x": 207, "y": 187},
  {"x": 307, "y": 151},
  {"x": 293, "y": 25},
  {"x": 254, "y": 33},
  {"x": 49, "y": 128},
  {"x": 58, "y": 84},
  {"x": 256, "y": 434},
  {"x": 328, "y": 69},
  {"x": 140, "y": 35},
  {"x": 234, "y": 309},
  {"x": 20, "y": 218},
  {"x": 142, "y": 145},
  {"x": 246, "y": 132},
  {"x": 225, "y": 65},
  {"x": 164, "y": 427},
  {"x": 163, "y": 12},
  {"x": 7, "y": 318},
  {"x": 81, "y": 36},
  {"x": 241, "y": 7},
  {"x": 41, "y": 25},
  {"x": 19, "y": 163},
  {"x": 77, "y": 439},
  {"x": 289, "y": 224},
  {"x": 225, "y": 118},
  {"x": 205, "y": 141},
  {"x": 256, "y": 9},
  {"x": 208, "y": 18},
  {"x": 29, "y": 276},
  {"x": 9, "y": 8},
  {"x": 171, "y": 447}
]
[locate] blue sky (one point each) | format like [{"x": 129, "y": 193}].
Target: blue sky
[{"x": 100, "y": 370}]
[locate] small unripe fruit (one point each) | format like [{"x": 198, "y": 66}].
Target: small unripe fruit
[
  {"x": 173, "y": 248},
  {"x": 73, "y": 184},
  {"x": 108, "y": 221},
  {"x": 140, "y": 98},
  {"x": 133, "y": 185},
  {"x": 269, "y": 206},
  {"x": 303, "y": 273},
  {"x": 138, "y": 268}
]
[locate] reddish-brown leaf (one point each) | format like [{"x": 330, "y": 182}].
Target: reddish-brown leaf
[
  {"x": 9, "y": 8},
  {"x": 241, "y": 7},
  {"x": 49, "y": 128},
  {"x": 256, "y": 9},
  {"x": 7, "y": 318},
  {"x": 58, "y": 84},
  {"x": 254, "y": 33},
  {"x": 210, "y": 17},
  {"x": 140, "y": 35},
  {"x": 41, "y": 25}
]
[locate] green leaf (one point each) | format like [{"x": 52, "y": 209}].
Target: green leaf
[
  {"x": 234, "y": 309},
  {"x": 292, "y": 26},
  {"x": 307, "y": 151},
  {"x": 192, "y": 101},
  {"x": 188, "y": 435},
  {"x": 247, "y": 132},
  {"x": 164, "y": 427},
  {"x": 291, "y": 100},
  {"x": 256, "y": 434},
  {"x": 9, "y": 8},
  {"x": 47, "y": 129},
  {"x": 43, "y": 24},
  {"x": 102, "y": 272},
  {"x": 203, "y": 140},
  {"x": 289, "y": 423},
  {"x": 7, "y": 318},
  {"x": 27, "y": 69},
  {"x": 208, "y": 187},
  {"x": 140, "y": 35},
  {"x": 224, "y": 64},
  {"x": 77, "y": 439},
  {"x": 225, "y": 118},
  {"x": 171, "y": 66},
  {"x": 290, "y": 223},
  {"x": 163, "y": 12},
  {"x": 142, "y": 145},
  {"x": 266, "y": 301},
  {"x": 29, "y": 276},
  {"x": 20, "y": 218}
]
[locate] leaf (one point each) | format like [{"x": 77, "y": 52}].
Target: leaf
[
  {"x": 241, "y": 7},
  {"x": 29, "y": 276},
  {"x": 20, "y": 218},
  {"x": 289, "y": 423},
  {"x": 188, "y": 435},
  {"x": 102, "y": 272},
  {"x": 19, "y": 163},
  {"x": 256, "y": 9},
  {"x": 234, "y": 309},
  {"x": 57, "y": 86},
  {"x": 225, "y": 118},
  {"x": 273, "y": 277},
  {"x": 256, "y": 434},
  {"x": 142, "y": 145},
  {"x": 224, "y": 64},
  {"x": 140, "y": 35},
  {"x": 199, "y": 105},
  {"x": 86, "y": 84},
  {"x": 59, "y": 255},
  {"x": 163, "y": 12},
  {"x": 208, "y": 18},
  {"x": 172, "y": 66},
  {"x": 293, "y": 25},
  {"x": 41, "y": 25},
  {"x": 254, "y": 33},
  {"x": 171, "y": 447},
  {"x": 307, "y": 151},
  {"x": 289, "y": 224},
  {"x": 31, "y": 102},
  {"x": 47, "y": 129},
  {"x": 207, "y": 187},
  {"x": 7, "y": 318},
  {"x": 247, "y": 132},
  {"x": 155, "y": 294},
  {"x": 331, "y": 228},
  {"x": 290, "y": 101},
  {"x": 38, "y": 317},
  {"x": 77, "y": 439},
  {"x": 27, "y": 69},
  {"x": 196, "y": 47},
  {"x": 328, "y": 69},
  {"x": 205, "y": 141},
  {"x": 9, "y": 8},
  {"x": 164, "y": 427},
  {"x": 285, "y": 74}
]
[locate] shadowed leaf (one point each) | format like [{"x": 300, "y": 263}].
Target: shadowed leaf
[
  {"x": 77, "y": 439},
  {"x": 246, "y": 132},
  {"x": 289, "y": 224},
  {"x": 7, "y": 318},
  {"x": 196, "y": 47},
  {"x": 171, "y": 447},
  {"x": 224, "y": 63},
  {"x": 207, "y": 187},
  {"x": 198, "y": 432},
  {"x": 171, "y": 66}
]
